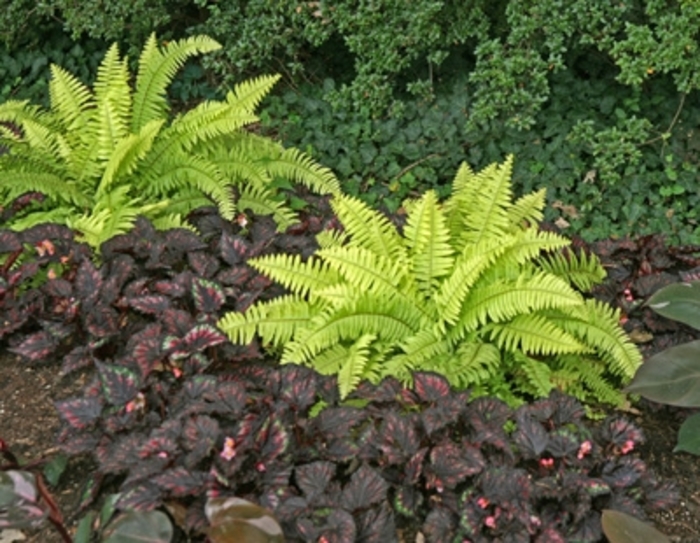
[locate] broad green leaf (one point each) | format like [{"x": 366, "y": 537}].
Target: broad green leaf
[
  {"x": 689, "y": 435},
  {"x": 671, "y": 376},
  {"x": 140, "y": 527},
  {"x": 680, "y": 302},
  {"x": 619, "y": 527}
]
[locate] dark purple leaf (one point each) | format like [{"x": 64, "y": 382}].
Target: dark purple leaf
[
  {"x": 589, "y": 529},
  {"x": 398, "y": 439},
  {"x": 169, "y": 288},
  {"x": 340, "y": 527},
  {"x": 414, "y": 467},
  {"x": 196, "y": 363},
  {"x": 234, "y": 249},
  {"x": 275, "y": 442},
  {"x": 46, "y": 231},
  {"x": 88, "y": 281},
  {"x": 550, "y": 535},
  {"x": 144, "y": 497},
  {"x": 312, "y": 479},
  {"x": 179, "y": 482},
  {"x": 73, "y": 444},
  {"x": 292, "y": 508},
  {"x": 259, "y": 283},
  {"x": 530, "y": 436},
  {"x": 102, "y": 321},
  {"x": 567, "y": 409},
  {"x": 78, "y": 358},
  {"x": 119, "y": 384},
  {"x": 200, "y": 387},
  {"x": 386, "y": 391},
  {"x": 144, "y": 347},
  {"x": 79, "y": 413},
  {"x": 376, "y": 525},
  {"x": 430, "y": 387},
  {"x": 183, "y": 240},
  {"x": 662, "y": 496},
  {"x": 408, "y": 500},
  {"x": 152, "y": 304},
  {"x": 563, "y": 442},
  {"x": 145, "y": 469},
  {"x": 618, "y": 431},
  {"x": 208, "y": 295},
  {"x": 60, "y": 288},
  {"x": 623, "y": 472},
  {"x": 9, "y": 242},
  {"x": 366, "y": 487},
  {"x": 338, "y": 421},
  {"x": 507, "y": 487},
  {"x": 117, "y": 457},
  {"x": 200, "y": 436},
  {"x": 202, "y": 337},
  {"x": 342, "y": 450},
  {"x": 177, "y": 322},
  {"x": 203, "y": 264},
  {"x": 36, "y": 346},
  {"x": 439, "y": 525},
  {"x": 451, "y": 464},
  {"x": 236, "y": 276},
  {"x": 298, "y": 386}
]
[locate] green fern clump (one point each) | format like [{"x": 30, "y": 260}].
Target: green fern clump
[
  {"x": 471, "y": 288},
  {"x": 105, "y": 155}
]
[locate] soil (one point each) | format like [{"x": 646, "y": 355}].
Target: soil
[{"x": 28, "y": 424}]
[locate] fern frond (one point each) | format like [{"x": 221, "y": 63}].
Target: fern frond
[
  {"x": 425, "y": 345},
  {"x": 475, "y": 363},
  {"x": 70, "y": 99},
  {"x": 331, "y": 238},
  {"x": 207, "y": 122},
  {"x": 504, "y": 300},
  {"x": 529, "y": 244},
  {"x": 261, "y": 201},
  {"x": 295, "y": 165},
  {"x": 527, "y": 210},
  {"x": 428, "y": 242},
  {"x": 369, "y": 228},
  {"x": 113, "y": 98},
  {"x": 170, "y": 221},
  {"x": 583, "y": 269},
  {"x": 598, "y": 325},
  {"x": 590, "y": 373},
  {"x": 486, "y": 216},
  {"x": 247, "y": 95},
  {"x": 276, "y": 321},
  {"x": 15, "y": 183},
  {"x": 353, "y": 368},
  {"x": 57, "y": 215},
  {"x": 300, "y": 277},
  {"x": 391, "y": 321},
  {"x": 126, "y": 155},
  {"x": 157, "y": 70},
  {"x": 534, "y": 334},
  {"x": 537, "y": 375}
]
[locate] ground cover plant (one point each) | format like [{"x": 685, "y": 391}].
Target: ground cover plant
[
  {"x": 102, "y": 157},
  {"x": 165, "y": 388},
  {"x": 469, "y": 288}
]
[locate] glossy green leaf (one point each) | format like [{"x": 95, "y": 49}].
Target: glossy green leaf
[
  {"x": 689, "y": 435},
  {"x": 680, "y": 302},
  {"x": 84, "y": 530},
  {"x": 140, "y": 527},
  {"x": 55, "y": 468},
  {"x": 671, "y": 376},
  {"x": 619, "y": 527}
]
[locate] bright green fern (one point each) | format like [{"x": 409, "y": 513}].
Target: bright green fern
[
  {"x": 105, "y": 155},
  {"x": 470, "y": 288}
]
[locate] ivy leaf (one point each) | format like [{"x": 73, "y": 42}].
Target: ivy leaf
[
  {"x": 119, "y": 384},
  {"x": 366, "y": 487}
]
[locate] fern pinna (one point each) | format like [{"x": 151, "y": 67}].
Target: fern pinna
[
  {"x": 470, "y": 288},
  {"x": 100, "y": 157}
]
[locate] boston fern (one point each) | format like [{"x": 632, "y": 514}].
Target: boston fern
[
  {"x": 101, "y": 157},
  {"x": 470, "y": 288}
]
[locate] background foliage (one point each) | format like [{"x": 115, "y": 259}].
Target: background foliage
[{"x": 599, "y": 103}]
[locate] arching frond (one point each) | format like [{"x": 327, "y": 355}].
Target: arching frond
[
  {"x": 536, "y": 375},
  {"x": 113, "y": 98},
  {"x": 15, "y": 183},
  {"x": 276, "y": 321},
  {"x": 427, "y": 239},
  {"x": 353, "y": 368},
  {"x": 534, "y": 334},
  {"x": 247, "y": 96},
  {"x": 583, "y": 269},
  {"x": 501, "y": 301},
  {"x": 300, "y": 277},
  {"x": 365, "y": 270},
  {"x": 295, "y": 165},
  {"x": 156, "y": 71},
  {"x": 529, "y": 244},
  {"x": 527, "y": 210},
  {"x": 597, "y": 324},
  {"x": 474, "y": 363},
  {"x": 70, "y": 99},
  {"x": 261, "y": 201},
  {"x": 369, "y": 228}
]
